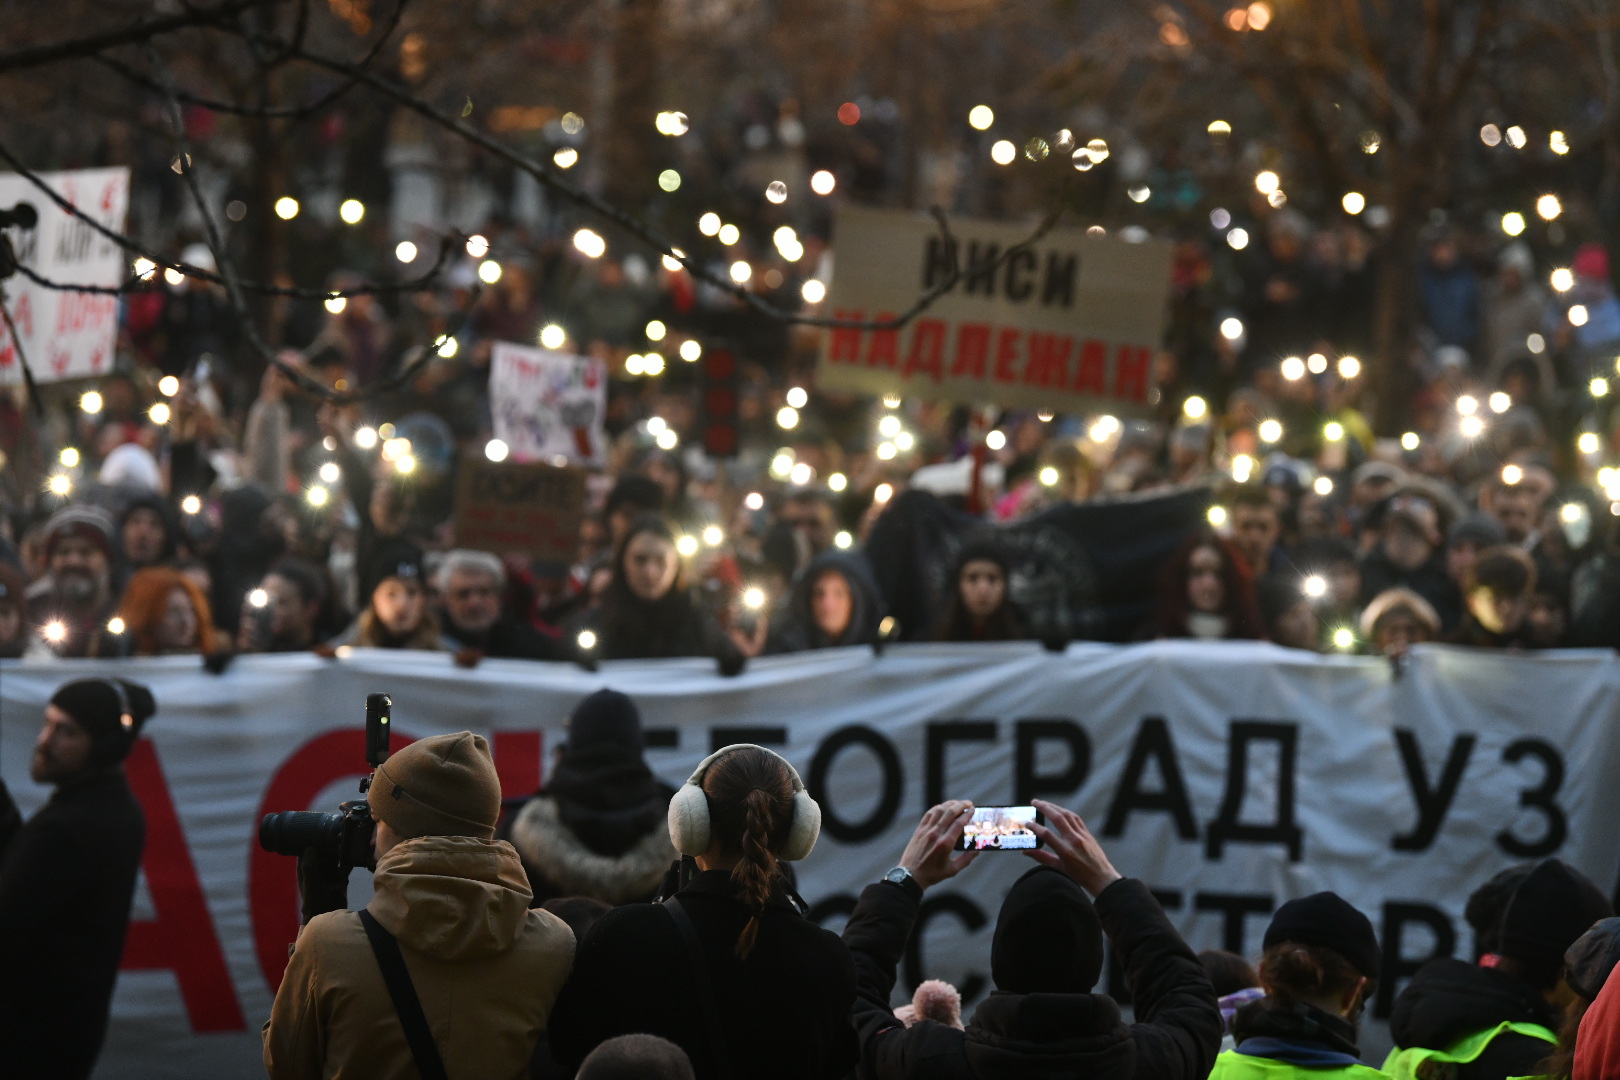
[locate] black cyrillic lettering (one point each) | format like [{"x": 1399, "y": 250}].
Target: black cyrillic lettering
[
  {"x": 888, "y": 803},
  {"x": 1541, "y": 797},
  {"x": 1234, "y": 909},
  {"x": 937, "y": 738},
  {"x": 1432, "y": 803},
  {"x": 759, "y": 736},
  {"x": 938, "y": 262},
  {"x": 1061, "y": 271},
  {"x": 1152, "y": 741},
  {"x": 981, "y": 268},
  {"x": 1019, "y": 283},
  {"x": 948, "y": 904},
  {"x": 1027, "y": 783},
  {"x": 1396, "y": 966},
  {"x": 1226, "y": 828}
]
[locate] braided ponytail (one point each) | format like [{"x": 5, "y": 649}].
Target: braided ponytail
[{"x": 751, "y": 806}]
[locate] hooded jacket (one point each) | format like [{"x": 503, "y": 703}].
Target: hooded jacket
[
  {"x": 796, "y": 630},
  {"x": 1449, "y": 1000},
  {"x": 67, "y": 879},
  {"x": 486, "y": 968},
  {"x": 1017, "y": 1036},
  {"x": 560, "y": 862}
]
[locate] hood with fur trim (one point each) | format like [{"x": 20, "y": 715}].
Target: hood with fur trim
[{"x": 553, "y": 854}]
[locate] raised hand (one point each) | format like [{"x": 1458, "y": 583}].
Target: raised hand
[
  {"x": 1072, "y": 848},
  {"x": 928, "y": 854}
]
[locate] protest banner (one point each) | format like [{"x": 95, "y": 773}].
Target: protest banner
[
  {"x": 64, "y": 335},
  {"x": 1229, "y": 776},
  {"x": 510, "y": 507},
  {"x": 548, "y": 406},
  {"x": 1070, "y": 324}
]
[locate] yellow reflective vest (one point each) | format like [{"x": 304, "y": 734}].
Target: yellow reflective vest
[
  {"x": 1232, "y": 1065},
  {"x": 1414, "y": 1063}
]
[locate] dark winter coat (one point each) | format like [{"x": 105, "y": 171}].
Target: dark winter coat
[
  {"x": 785, "y": 1010},
  {"x": 560, "y": 862},
  {"x": 629, "y": 628},
  {"x": 1448, "y": 1000},
  {"x": 1014, "y": 1036},
  {"x": 507, "y": 639},
  {"x": 1429, "y": 581},
  {"x": 67, "y": 879}
]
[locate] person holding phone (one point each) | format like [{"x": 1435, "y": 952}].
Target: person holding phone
[{"x": 1047, "y": 954}]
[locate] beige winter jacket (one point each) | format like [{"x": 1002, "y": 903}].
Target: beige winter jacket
[{"x": 486, "y": 968}]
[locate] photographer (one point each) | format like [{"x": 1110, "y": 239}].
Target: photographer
[
  {"x": 1043, "y": 1019},
  {"x": 485, "y": 968},
  {"x": 67, "y": 879}
]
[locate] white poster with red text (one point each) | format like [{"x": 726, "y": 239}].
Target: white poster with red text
[{"x": 1230, "y": 777}]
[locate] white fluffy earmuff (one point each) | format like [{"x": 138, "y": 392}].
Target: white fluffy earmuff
[{"x": 689, "y": 826}]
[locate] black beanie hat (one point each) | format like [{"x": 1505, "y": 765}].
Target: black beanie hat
[
  {"x": 1588, "y": 962},
  {"x": 1487, "y": 903},
  {"x": 606, "y": 718},
  {"x": 394, "y": 559},
  {"x": 1048, "y": 938},
  {"x": 1553, "y": 905},
  {"x": 1327, "y": 920},
  {"x": 96, "y": 706}
]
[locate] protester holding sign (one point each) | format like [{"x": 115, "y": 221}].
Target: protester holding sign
[{"x": 1046, "y": 957}]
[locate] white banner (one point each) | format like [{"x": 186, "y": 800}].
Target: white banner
[
  {"x": 65, "y": 335},
  {"x": 1230, "y": 777},
  {"x": 548, "y": 406},
  {"x": 1069, "y": 324}
]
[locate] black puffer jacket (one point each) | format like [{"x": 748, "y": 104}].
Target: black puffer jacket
[
  {"x": 1018, "y": 1036},
  {"x": 1448, "y": 1000}
]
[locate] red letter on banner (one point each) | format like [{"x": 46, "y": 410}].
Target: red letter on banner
[
  {"x": 846, "y": 342},
  {"x": 884, "y": 350},
  {"x": 1007, "y": 352},
  {"x": 182, "y": 938},
  {"x": 927, "y": 349},
  {"x": 1131, "y": 373},
  {"x": 517, "y": 762},
  {"x": 972, "y": 349},
  {"x": 1048, "y": 360},
  {"x": 1092, "y": 378}
]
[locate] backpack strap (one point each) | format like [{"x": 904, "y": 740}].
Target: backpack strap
[
  {"x": 403, "y": 992},
  {"x": 701, "y": 986}
]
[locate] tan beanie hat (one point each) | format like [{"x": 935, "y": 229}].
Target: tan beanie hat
[{"x": 440, "y": 786}]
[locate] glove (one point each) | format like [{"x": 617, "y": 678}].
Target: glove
[{"x": 322, "y": 886}]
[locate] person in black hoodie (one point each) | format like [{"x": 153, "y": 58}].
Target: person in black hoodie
[
  {"x": 834, "y": 602},
  {"x": 1501, "y": 1020},
  {"x": 598, "y": 828},
  {"x": 647, "y": 612},
  {"x": 67, "y": 879},
  {"x": 1043, "y": 1018}
]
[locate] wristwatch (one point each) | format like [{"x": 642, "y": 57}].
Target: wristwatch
[{"x": 906, "y": 880}]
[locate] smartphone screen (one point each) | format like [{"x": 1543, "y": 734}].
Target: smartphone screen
[{"x": 1001, "y": 828}]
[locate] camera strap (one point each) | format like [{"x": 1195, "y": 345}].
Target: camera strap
[
  {"x": 406, "y": 1003},
  {"x": 702, "y": 987}
]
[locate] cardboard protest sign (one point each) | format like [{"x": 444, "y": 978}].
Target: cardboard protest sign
[
  {"x": 522, "y": 508},
  {"x": 548, "y": 405},
  {"x": 65, "y": 335},
  {"x": 1069, "y": 325}
]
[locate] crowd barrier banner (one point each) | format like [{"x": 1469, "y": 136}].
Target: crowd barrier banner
[{"x": 1230, "y": 777}]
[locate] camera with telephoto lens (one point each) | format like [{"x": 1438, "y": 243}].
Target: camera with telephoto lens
[{"x": 344, "y": 839}]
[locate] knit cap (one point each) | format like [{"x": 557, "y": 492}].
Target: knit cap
[
  {"x": 1048, "y": 938},
  {"x": 440, "y": 786},
  {"x": 97, "y": 707},
  {"x": 1327, "y": 920},
  {"x": 90, "y": 523},
  {"x": 1589, "y": 962},
  {"x": 609, "y": 719},
  {"x": 1552, "y": 907}
]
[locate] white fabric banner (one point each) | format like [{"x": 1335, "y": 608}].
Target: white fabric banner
[
  {"x": 1230, "y": 777},
  {"x": 65, "y": 335},
  {"x": 548, "y": 406}
]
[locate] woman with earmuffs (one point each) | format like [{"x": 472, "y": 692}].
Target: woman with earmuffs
[{"x": 727, "y": 967}]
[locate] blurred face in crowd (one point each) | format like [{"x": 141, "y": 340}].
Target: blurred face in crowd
[
  {"x": 1344, "y": 583},
  {"x": 399, "y": 604},
  {"x": 1206, "y": 589},
  {"x": 1497, "y": 612},
  {"x": 1254, "y": 531},
  {"x": 472, "y": 599},
  {"x": 144, "y": 536},
  {"x": 813, "y": 518},
  {"x": 292, "y": 621},
  {"x": 1298, "y": 628},
  {"x": 1515, "y": 507},
  {"x": 666, "y": 476},
  {"x": 1405, "y": 544},
  {"x": 79, "y": 570},
  {"x": 984, "y": 587},
  {"x": 1460, "y": 558},
  {"x": 650, "y": 565},
  {"x": 11, "y": 622},
  {"x": 1397, "y": 632},
  {"x": 593, "y": 539},
  {"x": 1545, "y": 621},
  {"x": 177, "y": 629},
  {"x": 62, "y": 750},
  {"x": 831, "y": 604}
]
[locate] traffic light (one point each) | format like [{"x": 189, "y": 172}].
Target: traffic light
[{"x": 720, "y": 399}]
